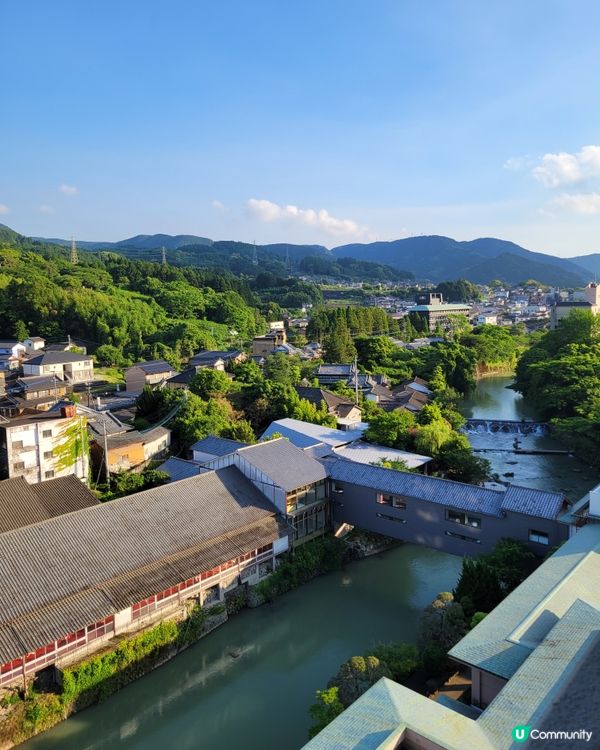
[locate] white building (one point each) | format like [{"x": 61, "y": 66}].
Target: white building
[
  {"x": 44, "y": 446},
  {"x": 67, "y": 366}
]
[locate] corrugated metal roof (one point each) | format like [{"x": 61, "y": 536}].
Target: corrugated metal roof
[
  {"x": 441, "y": 491},
  {"x": 305, "y": 434},
  {"x": 367, "y": 453},
  {"x": 284, "y": 464},
  {"x": 179, "y": 468},
  {"x": 63, "y": 573},
  {"x": 217, "y": 446},
  {"x": 22, "y": 504},
  {"x": 532, "y": 502}
]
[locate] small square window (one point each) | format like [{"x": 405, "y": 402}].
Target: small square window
[
  {"x": 538, "y": 536},
  {"x": 48, "y": 474},
  {"x": 48, "y": 455},
  {"x": 17, "y": 444},
  {"x": 19, "y": 466},
  {"x": 46, "y": 433}
]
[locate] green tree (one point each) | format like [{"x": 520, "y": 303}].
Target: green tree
[
  {"x": 324, "y": 711},
  {"x": 478, "y": 588},
  {"x": 208, "y": 383},
  {"x": 356, "y": 676}
]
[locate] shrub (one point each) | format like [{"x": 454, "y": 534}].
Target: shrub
[
  {"x": 434, "y": 659},
  {"x": 324, "y": 711},
  {"x": 401, "y": 658},
  {"x": 356, "y": 676}
]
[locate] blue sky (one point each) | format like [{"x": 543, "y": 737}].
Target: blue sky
[{"x": 332, "y": 121}]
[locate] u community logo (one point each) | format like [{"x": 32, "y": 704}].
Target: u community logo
[{"x": 520, "y": 734}]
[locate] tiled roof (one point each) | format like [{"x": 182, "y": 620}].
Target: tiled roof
[
  {"x": 217, "y": 446},
  {"x": 57, "y": 358},
  {"x": 64, "y": 573},
  {"x": 22, "y": 504},
  {"x": 284, "y": 464},
  {"x": 213, "y": 356},
  {"x": 185, "y": 376},
  {"x": 155, "y": 366},
  {"x": 318, "y": 395},
  {"x": 341, "y": 370},
  {"x": 442, "y": 491},
  {"x": 532, "y": 502}
]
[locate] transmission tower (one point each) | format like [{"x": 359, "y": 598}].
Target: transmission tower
[
  {"x": 163, "y": 256},
  {"x": 255, "y": 256},
  {"x": 288, "y": 262},
  {"x": 74, "y": 256}
]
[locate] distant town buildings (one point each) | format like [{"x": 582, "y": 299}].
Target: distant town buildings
[
  {"x": 153, "y": 373},
  {"x": 589, "y": 300}
]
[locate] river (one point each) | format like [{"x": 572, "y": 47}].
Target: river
[
  {"x": 493, "y": 399},
  {"x": 205, "y": 699}
]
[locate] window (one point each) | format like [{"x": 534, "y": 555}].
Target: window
[
  {"x": 464, "y": 538},
  {"x": 17, "y": 444},
  {"x": 48, "y": 474},
  {"x": 390, "y": 518},
  {"x": 48, "y": 454},
  {"x": 538, "y": 536},
  {"x": 19, "y": 466},
  {"x": 47, "y": 433},
  {"x": 463, "y": 518},
  {"x": 393, "y": 500}
]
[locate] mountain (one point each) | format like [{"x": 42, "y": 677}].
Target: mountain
[
  {"x": 590, "y": 262},
  {"x": 439, "y": 258},
  {"x": 139, "y": 242}
]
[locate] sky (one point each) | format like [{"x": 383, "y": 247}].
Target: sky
[{"x": 321, "y": 121}]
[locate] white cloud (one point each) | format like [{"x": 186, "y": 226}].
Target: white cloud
[
  {"x": 44, "y": 209},
  {"x": 270, "y": 212},
  {"x": 563, "y": 168},
  {"x": 4, "y": 209},
  {"x": 218, "y": 205},
  {"x": 578, "y": 203},
  {"x": 517, "y": 163},
  {"x": 68, "y": 189}
]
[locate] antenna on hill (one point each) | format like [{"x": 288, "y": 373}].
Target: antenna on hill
[
  {"x": 74, "y": 255},
  {"x": 163, "y": 257},
  {"x": 288, "y": 262},
  {"x": 255, "y": 255}
]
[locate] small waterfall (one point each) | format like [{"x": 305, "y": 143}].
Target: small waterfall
[{"x": 509, "y": 427}]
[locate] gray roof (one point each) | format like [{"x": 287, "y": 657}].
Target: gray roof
[
  {"x": 284, "y": 464},
  {"x": 57, "y": 358},
  {"x": 317, "y": 395},
  {"x": 217, "y": 446},
  {"x": 134, "y": 436},
  {"x": 502, "y": 642},
  {"x": 179, "y": 468},
  {"x": 39, "y": 383},
  {"x": 22, "y": 504},
  {"x": 64, "y": 573},
  {"x": 155, "y": 366},
  {"x": 305, "y": 434},
  {"x": 538, "y": 503},
  {"x": 213, "y": 356},
  {"x": 185, "y": 376},
  {"x": 368, "y": 453},
  {"x": 339, "y": 369}
]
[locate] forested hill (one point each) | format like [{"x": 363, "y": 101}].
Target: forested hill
[
  {"x": 143, "y": 310},
  {"x": 482, "y": 260},
  {"x": 239, "y": 258}
]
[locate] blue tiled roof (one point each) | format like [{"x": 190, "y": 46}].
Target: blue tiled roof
[
  {"x": 178, "y": 468},
  {"x": 532, "y": 502},
  {"x": 443, "y": 491}
]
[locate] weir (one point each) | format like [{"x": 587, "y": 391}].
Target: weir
[{"x": 509, "y": 426}]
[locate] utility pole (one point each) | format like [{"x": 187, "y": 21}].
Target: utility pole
[
  {"x": 74, "y": 255},
  {"x": 356, "y": 380},
  {"x": 106, "y": 461}
]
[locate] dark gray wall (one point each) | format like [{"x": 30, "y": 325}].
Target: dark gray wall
[{"x": 426, "y": 523}]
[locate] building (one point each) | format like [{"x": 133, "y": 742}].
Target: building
[
  {"x": 179, "y": 468},
  {"x": 22, "y": 504},
  {"x": 67, "y": 366},
  {"x": 532, "y": 662},
  {"x": 44, "y": 445},
  {"x": 263, "y": 346},
  {"x": 461, "y": 519},
  {"x": 38, "y": 392},
  {"x": 131, "y": 450},
  {"x": 69, "y": 585},
  {"x": 437, "y": 314},
  {"x": 348, "y": 415},
  {"x": 212, "y": 447},
  {"x": 330, "y": 374},
  {"x": 11, "y": 354},
  {"x": 488, "y": 319},
  {"x": 307, "y": 435},
  {"x": 182, "y": 380},
  {"x": 590, "y": 301},
  {"x": 153, "y": 373},
  {"x": 34, "y": 344},
  {"x": 217, "y": 360}
]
